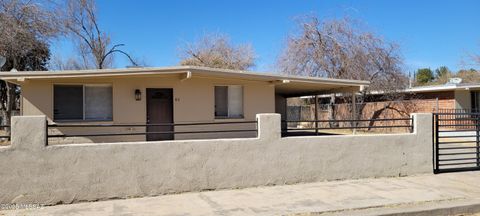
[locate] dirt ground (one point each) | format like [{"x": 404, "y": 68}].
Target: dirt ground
[{"x": 4, "y": 142}]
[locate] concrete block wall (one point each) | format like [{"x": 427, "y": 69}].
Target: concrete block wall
[{"x": 32, "y": 172}]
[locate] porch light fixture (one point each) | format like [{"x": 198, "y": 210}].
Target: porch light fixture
[{"x": 138, "y": 95}]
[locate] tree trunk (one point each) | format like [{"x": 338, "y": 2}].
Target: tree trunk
[
  {"x": 6, "y": 112},
  {"x": 376, "y": 115}
]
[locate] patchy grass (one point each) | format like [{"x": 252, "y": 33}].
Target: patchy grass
[{"x": 365, "y": 132}]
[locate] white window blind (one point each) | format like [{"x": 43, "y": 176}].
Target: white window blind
[
  {"x": 98, "y": 102},
  {"x": 229, "y": 101},
  {"x": 235, "y": 101}
]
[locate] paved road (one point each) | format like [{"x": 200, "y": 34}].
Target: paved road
[{"x": 288, "y": 199}]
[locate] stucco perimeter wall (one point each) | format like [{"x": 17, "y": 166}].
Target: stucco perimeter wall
[{"x": 34, "y": 173}]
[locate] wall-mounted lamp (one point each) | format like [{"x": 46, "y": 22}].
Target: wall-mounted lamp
[{"x": 138, "y": 95}]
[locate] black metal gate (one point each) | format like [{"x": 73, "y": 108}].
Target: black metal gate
[{"x": 456, "y": 142}]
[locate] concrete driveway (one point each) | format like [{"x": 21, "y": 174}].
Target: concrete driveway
[{"x": 335, "y": 196}]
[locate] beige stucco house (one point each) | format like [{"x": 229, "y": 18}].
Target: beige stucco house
[{"x": 182, "y": 94}]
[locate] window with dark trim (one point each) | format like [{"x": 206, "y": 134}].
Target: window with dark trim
[{"x": 82, "y": 102}]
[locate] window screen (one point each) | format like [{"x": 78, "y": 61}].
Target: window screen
[
  {"x": 221, "y": 101},
  {"x": 229, "y": 101},
  {"x": 82, "y": 102},
  {"x": 68, "y": 102},
  {"x": 98, "y": 102}
]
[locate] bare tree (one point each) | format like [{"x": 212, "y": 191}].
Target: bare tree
[
  {"x": 216, "y": 50},
  {"x": 340, "y": 49},
  {"x": 475, "y": 58},
  {"x": 94, "y": 45},
  {"x": 25, "y": 28},
  {"x": 59, "y": 63}
]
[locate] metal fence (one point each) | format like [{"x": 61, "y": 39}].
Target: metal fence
[
  {"x": 458, "y": 118},
  {"x": 141, "y": 132},
  {"x": 346, "y": 126},
  {"x": 456, "y": 141}
]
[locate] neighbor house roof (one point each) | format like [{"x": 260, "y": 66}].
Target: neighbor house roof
[
  {"x": 445, "y": 87},
  {"x": 284, "y": 84}
]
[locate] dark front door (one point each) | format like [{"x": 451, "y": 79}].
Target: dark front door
[{"x": 159, "y": 111}]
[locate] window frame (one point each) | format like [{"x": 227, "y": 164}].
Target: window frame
[
  {"x": 83, "y": 102},
  {"x": 228, "y": 114}
]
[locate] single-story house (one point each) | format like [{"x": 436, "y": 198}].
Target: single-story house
[
  {"x": 461, "y": 97},
  {"x": 166, "y": 95}
]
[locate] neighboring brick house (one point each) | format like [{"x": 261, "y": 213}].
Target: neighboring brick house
[
  {"x": 460, "y": 97},
  {"x": 433, "y": 101},
  {"x": 430, "y": 99}
]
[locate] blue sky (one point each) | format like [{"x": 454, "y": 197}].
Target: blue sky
[{"x": 431, "y": 33}]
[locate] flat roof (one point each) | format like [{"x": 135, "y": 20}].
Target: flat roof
[
  {"x": 445, "y": 87},
  {"x": 284, "y": 84}
]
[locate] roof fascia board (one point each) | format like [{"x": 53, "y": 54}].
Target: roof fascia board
[{"x": 175, "y": 70}]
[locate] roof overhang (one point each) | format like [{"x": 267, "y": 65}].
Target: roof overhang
[
  {"x": 286, "y": 85},
  {"x": 443, "y": 88}
]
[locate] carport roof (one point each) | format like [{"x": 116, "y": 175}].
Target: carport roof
[{"x": 284, "y": 84}]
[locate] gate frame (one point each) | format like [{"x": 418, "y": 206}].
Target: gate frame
[{"x": 436, "y": 142}]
